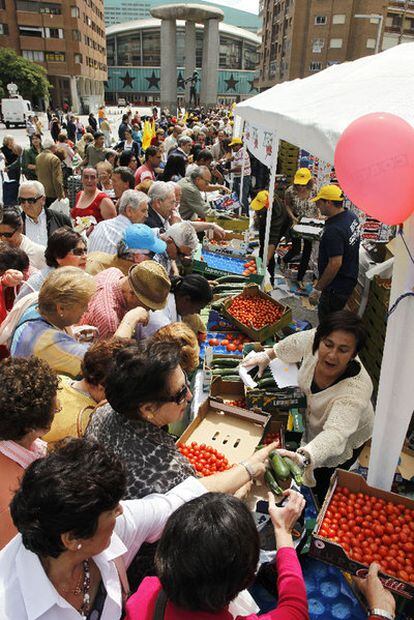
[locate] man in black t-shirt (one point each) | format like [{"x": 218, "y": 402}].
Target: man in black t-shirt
[{"x": 338, "y": 260}]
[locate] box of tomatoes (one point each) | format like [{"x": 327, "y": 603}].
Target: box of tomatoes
[
  {"x": 232, "y": 431},
  {"x": 256, "y": 314},
  {"x": 359, "y": 524}
]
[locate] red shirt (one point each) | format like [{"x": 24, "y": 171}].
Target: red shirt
[
  {"x": 292, "y": 604},
  {"x": 94, "y": 209},
  {"x": 144, "y": 172},
  {"x": 107, "y": 307}
]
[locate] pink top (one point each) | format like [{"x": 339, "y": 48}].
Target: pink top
[
  {"x": 94, "y": 209},
  {"x": 292, "y": 603},
  {"x": 144, "y": 172}
]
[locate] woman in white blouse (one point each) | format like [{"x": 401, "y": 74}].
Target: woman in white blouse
[
  {"x": 76, "y": 539},
  {"x": 339, "y": 416}
]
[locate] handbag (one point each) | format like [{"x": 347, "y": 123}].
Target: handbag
[{"x": 160, "y": 606}]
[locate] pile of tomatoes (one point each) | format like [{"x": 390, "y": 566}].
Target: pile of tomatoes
[
  {"x": 372, "y": 530},
  {"x": 204, "y": 459},
  {"x": 250, "y": 267},
  {"x": 254, "y": 311},
  {"x": 272, "y": 438},
  {"x": 232, "y": 342},
  {"x": 237, "y": 403}
]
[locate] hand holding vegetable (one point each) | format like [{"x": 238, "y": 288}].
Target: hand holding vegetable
[
  {"x": 284, "y": 518},
  {"x": 293, "y": 456},
  {"x": 375, "y": 593},
  {"x": 262, "y": 360},
  {"x": 258, "y": 461}
]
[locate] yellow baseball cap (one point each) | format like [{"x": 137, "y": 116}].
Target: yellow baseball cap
[
  {"x": 261, "y": 201},
  {"x": 236, "y": 141},
  {"x": 329, "y": 192},
  {"x": 302, "y": 176}
]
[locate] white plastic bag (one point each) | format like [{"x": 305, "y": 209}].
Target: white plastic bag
[{"x": 61, "y": 206}]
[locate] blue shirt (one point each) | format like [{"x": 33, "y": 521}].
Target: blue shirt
[{"x": 341, "y": 237}]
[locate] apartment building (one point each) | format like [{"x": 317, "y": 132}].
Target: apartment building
[
  {"x": 67, "y": 37},
  {"x": 399, "y": 23},
  {"x": 302, "y": 37}
]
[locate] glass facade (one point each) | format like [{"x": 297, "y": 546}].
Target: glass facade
[{"x": 151, "y": 48}]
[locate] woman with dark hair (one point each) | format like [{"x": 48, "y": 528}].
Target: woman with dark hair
[
  {"x": 77, "y": 538},
  {"x": 65, "y": 248},
  {"x": 28, "y": 402},
  {"x": 338, "y": 389},
  {"x": 11, "y": 232},
  {"x": 129, "y": 159},
  {"x": 128, "y": 144},
  {"x": 174, "y": 168},
  {"x": 14, "y": 268},
  {"x": 188, "y": 295},
  {"x": 29, "y": 157},
  {"x": 209, "y": 552}
]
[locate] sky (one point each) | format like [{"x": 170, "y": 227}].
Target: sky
[{"x": 252, "y": 6}]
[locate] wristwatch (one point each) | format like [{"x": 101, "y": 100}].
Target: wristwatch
[
  {"x": 305, "y": 459},
  {"x": 381, "y": 613},
  {"x": 250, "y": 470}
]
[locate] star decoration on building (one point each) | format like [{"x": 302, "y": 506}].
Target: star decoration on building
[
  {"x": 127, "y": 80},
  {"x": 153, "y": 81},
  {"x": 231, "y": 83},
  {"x": 180, "y": 81},
  {"x": 252, "y": 86}
]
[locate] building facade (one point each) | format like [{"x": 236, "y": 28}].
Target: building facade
[
  {"x": 399, "y": 23},
  {"x": 301, "y": 38},
  {"x": 134, "y": 56},
  {"x": 119, "y": 11},
  {"x": 66, "y": 37}
]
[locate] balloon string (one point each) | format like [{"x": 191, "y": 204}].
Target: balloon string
[
  {"x": 400, "y": 232},
  {"x": 397, "y": 301}
]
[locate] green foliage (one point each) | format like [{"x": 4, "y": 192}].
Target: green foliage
[{"x": 30, "y": 78}]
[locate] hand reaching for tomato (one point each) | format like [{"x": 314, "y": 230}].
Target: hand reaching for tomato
[{"x": 373, "y": 590}]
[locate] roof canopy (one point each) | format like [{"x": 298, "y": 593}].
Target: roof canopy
[{"x": 314, "y": 111}]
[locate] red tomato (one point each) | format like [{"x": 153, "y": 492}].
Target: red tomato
[
  {"x": 213, "y": 342},
  {"x": 231, "y": 347}
]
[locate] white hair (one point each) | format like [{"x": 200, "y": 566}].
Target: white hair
[
  {"x": 48, "y": 142},
  {"x": 184, "y": 140},
  {"x": 183, "y": 233},
  {"x": 37, "y": 185},
  {"x": 159, "y": 190},
  {"x": 131, "y": 198},
  {"x": 196, "y": 172}
]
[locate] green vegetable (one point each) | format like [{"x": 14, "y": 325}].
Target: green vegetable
[
  {"x": 231, "y": 278},
  {"x": 231, "y": 378},
  {"x": 280, "y": 468},
  {"x": 294, "y": 469},
  {"x": 222, "y": 372},
  {"x": 225, "y": 362},
  {"x": 266, "y": 382},
  {"x": 271, "y": 483}
]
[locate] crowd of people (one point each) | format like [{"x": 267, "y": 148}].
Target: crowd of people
[{"x": 99, "y": 343}]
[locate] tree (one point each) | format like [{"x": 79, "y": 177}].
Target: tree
[{"x": 30, "y": 77}]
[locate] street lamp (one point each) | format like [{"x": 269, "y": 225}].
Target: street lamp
[{"x": 380, "y": 19}]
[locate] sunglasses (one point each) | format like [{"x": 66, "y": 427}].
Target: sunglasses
[
  {"x": 30, "y": 200},
  {"x": 8, "y": 235},
  {"x": 180, "y": 396},
  {"x": 78, "y": 251}
]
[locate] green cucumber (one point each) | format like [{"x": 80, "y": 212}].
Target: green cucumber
[
  {"x": 232, "y": 278},
  {"x": 231, "y": 378},
  {"x": 271, "y": 483},
  {"x": 280, "y": 469},
  {"x": 222, "y": 371},
  {"x": 266, "y": 382},
  {"x": 223, "y": 288},
  {"x": 294, "y": 469},
  {"x": 224, "y": 362}
]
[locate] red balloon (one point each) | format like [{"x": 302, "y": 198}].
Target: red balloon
[{"x": 374, "y": 164}]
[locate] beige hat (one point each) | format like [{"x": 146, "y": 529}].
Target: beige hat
[{"x": 150, "y": 283}]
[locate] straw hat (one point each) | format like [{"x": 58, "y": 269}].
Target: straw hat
[{"x": 150, "y": 283}]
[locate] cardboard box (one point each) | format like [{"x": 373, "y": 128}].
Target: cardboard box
[
  {"x": 231, "y": 223},
  {"x": 259, "y": 335},
  {"x": 199, "y": 265},
  {"x": 223, "y": 391},
  {"x": 332, "y": 552},
  {"x": 277, "y": 401},
  {"x": 232, "y": 431}
]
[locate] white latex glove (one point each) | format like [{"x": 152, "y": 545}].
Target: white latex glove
[{"x": 262, "y": 360}]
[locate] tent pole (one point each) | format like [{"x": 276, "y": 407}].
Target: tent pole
[
  {"x": 395, "y": 403},
  {"x": 242, "y": 171},
  {"x": 272, "y": 182}
]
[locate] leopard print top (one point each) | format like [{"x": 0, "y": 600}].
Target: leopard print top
[{"x": 153, "y": 463}]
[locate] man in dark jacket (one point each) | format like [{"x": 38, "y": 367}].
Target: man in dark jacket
[{"x": 38, "y": 223}]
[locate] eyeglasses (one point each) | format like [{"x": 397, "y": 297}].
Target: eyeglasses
[
  {"x": 8, "y": 235},
  {"x": 30, "y": 200},
  {"x": 78, "y": 251},
  {"x": 180, "y": 396}
]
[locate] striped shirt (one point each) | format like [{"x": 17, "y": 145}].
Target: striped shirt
[
  {"x": 107, "y": 234},
  {"x": 107, "y": 307}
]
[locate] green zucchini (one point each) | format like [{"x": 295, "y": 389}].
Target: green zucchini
[
  {"x": 222, "y": 371},
  {"x": 295, "y": 470},
  {"x": 280, "y": 469},
  {"x": 231, "y": 378},
  {"x": 266, "y": 382},
  {"x": 225, "y": 362},
  {"x": 231, "y": 278},
  {"x": 223, "y": 288},
  {"x": 271, "y": 483}
]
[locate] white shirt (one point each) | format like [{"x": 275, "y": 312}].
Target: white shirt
[
  {"x": 160, "y": 318},
  {"x": 238, "y": 159},
  {"x": 37, "y": 231},
  {"x": 107, "y": 234},
  {"x": 169, "y": 143},
  {"x": 25, "y": 590},
  {"x": 34, "y": 251}
]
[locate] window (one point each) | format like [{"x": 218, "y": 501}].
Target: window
[
  {"x": 315, "y": 66},
  {"x": 396, "y": 21},
  {"x": 410, "y": 23},
  {"x": 2, "y": 4},
  {"x": 74, "y": 11},
  {"x": 4, "y": 29},
  {"x": 29, "y": 31},
  {"x": 318, "y": 45},
  {"x": 76, "y": 35},
  {"x": 371, "y": 43},
  {"x": 339, "y": 18},
  {"x": 54, "y": 33},
  {"x": 151, "y": 48},
  {"x": 320, "y": 20},
  {"x": 38, "y": 7},
  {"x": 55, "y": 57},
  {"x": 77, "y": 58},
  {"x": 335, "y": 43},
  {"x": 33, "y": 55}
]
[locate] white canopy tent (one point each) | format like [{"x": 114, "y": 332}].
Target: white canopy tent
[{"x": 312, "y": 113}]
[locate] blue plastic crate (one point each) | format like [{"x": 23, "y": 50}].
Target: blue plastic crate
[{"x": 224, "y": 263}]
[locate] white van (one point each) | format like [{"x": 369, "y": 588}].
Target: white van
[{"x": 14, "y": 111}]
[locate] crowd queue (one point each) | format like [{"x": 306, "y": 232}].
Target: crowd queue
[{"x": 101, "y": 515}]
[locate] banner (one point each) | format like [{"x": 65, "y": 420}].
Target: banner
[{"x": 261, "y": 143}]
